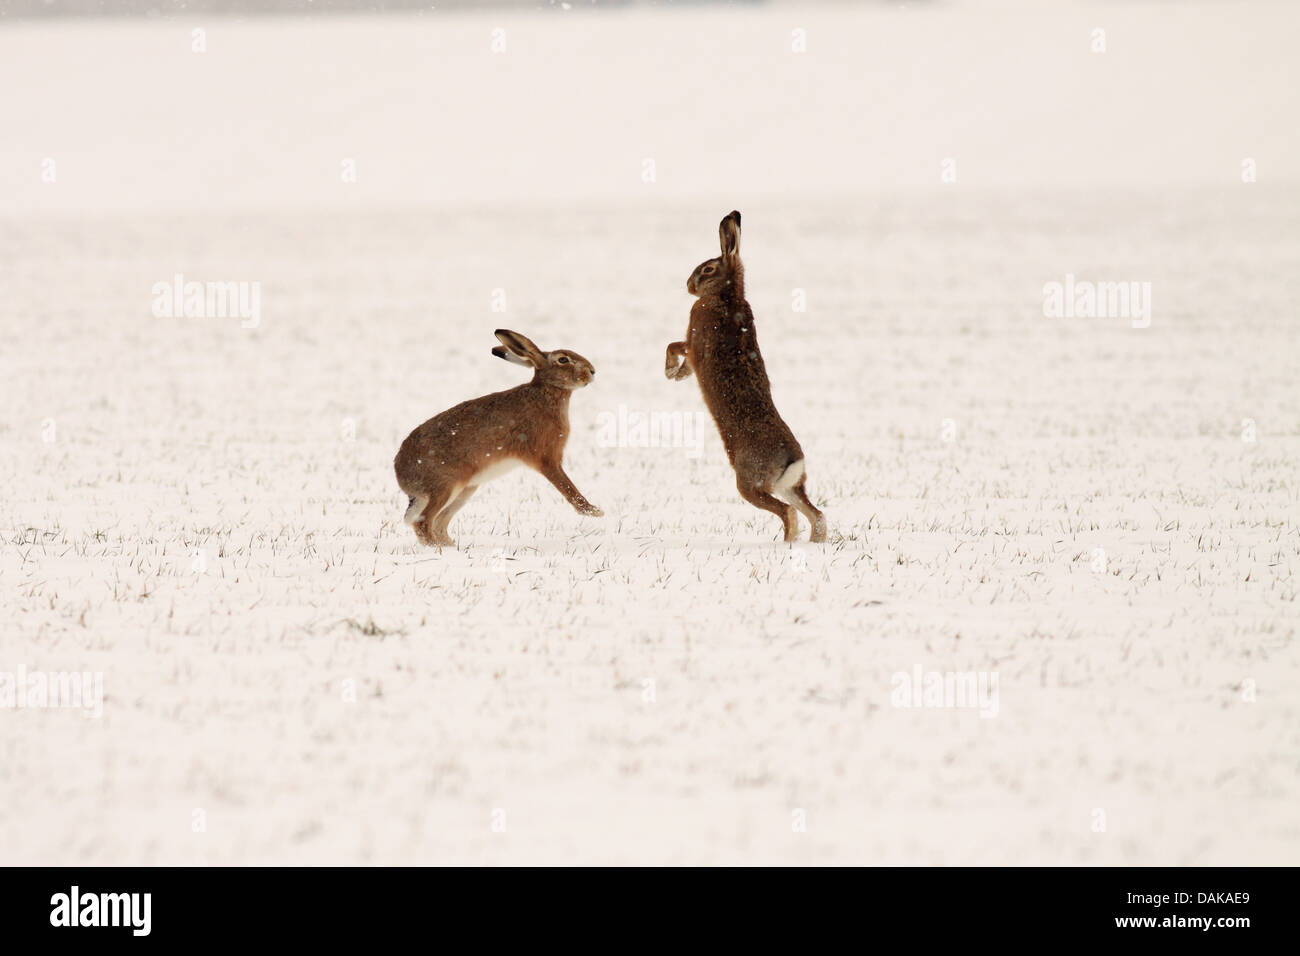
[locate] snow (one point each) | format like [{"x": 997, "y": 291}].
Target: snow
[{"x": 1103, "y": 516}]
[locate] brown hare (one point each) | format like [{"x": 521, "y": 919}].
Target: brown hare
[
  {"x": 721, "y": 348},
  {"x": 444, "y": 461}
]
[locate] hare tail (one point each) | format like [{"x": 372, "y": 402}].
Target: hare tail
[
  {"x": 792, "y": 475},
  {"x": 415, "y": 509}
]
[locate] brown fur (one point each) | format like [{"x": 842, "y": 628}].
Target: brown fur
[
  {"x": 443, "y": 461},
  {"x": 721, "y": 350}
]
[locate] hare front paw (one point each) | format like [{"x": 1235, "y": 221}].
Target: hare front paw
[
  {"x": 675, "y": 373},
  {"x": 590, "y": 510}
]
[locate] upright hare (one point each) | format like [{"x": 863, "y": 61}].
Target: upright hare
[{"x": 721, "y": 348}]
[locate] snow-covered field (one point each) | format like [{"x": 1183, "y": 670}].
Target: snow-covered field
[{"x": 1106, "y": 517}]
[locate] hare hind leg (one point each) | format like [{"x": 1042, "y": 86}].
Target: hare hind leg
[
  {"x": 797, "y": 495},
  {"x": 761, "y": 499},
  {"x": 443, "y": 518},
  {"x": 424, "y": 519}
]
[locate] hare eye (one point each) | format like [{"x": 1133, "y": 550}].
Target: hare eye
[
  {"x": 563, "y": 360},
  {"x": 708, "y": 270}
]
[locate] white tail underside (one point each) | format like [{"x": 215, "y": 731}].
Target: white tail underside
[
  {"x": 416, "y": 507},
  {"x": 790, "y": 477}
]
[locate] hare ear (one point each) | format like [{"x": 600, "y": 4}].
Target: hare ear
[
  {"x": 729, "y": 236},
  {"x": 518, "y": 349},
  {"x": 509, "y": 356}
]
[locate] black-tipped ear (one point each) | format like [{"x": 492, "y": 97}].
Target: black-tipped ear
[
  {"x": 518, "y": 349},
  {"x": 729, "y": 235},
  {"x": 501, "y": 352}
]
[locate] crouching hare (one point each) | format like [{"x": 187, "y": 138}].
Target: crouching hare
[
  {"x": 444, "y": 461},
  {"x": 721, "y": 349}
]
